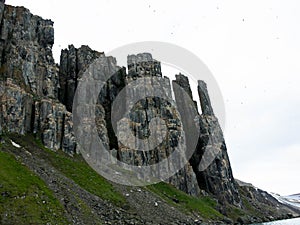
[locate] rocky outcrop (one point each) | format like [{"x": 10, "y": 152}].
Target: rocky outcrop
[
  {"x": 217, "y": 178},
  {"x": 26, "y": 51},
  {"x": 206, "y": 107},
  {"x": 29, "y": 80},
  {"x": 53, "y": 124},
  {"x": 142, "y": 65},
  {"x": 136, "y": 118},
  {"x": 15, "y": 108},
  {"x": 210, "y": 160},
  {"x": 262, "y": 205},
  {"x": 73, "y": 61},
  {"x": 144, "y": 73},
  {"x": 21, "y": 113},
  {"x": 152, "y": 131},
  {"x": 73, "y": 64}
]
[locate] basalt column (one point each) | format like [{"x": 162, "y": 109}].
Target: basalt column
[{"x": 210, "y": 160}]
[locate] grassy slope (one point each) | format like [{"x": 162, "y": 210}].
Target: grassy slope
[
  {"x": 24, "y": 198},
  {"x": 205, "y": 206},
  {"x": 79, "y": 171}
]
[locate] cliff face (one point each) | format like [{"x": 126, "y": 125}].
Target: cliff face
[
  {"x": 29, "y": 80},
  {"x": 26, "y": 56},
  {"x": 36, "y": 96},
  {"x": 210, "y": 160},
  {"x": 163, "y": 136},
  {"x": 72, "y": 62},
  {"x": 215, "y": 175}
]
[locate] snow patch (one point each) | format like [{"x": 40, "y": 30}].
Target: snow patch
[
  {"x": 15, "y": 144},
  {"x": 292, "y": 200}
]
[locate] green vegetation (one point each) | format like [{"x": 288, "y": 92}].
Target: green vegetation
[
  {"x": 234, "y": 212},
  {"x": 24, "y": 198},
  {"x": 81, "y": 173},
  {"x": 205, "y": 206},
  {"x": 16, "y": 181},
  {"x": 249, "y": 208}
]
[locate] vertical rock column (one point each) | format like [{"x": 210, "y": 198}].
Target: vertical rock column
[
  {"x": 49, "y": 122},
  {"x": 204, "y": 99},
  {"x": 154, "y": 123},
  {"x": 210, "y": 160},
  {"x": 144, "y": 77},
  {"x": 189, "y": 113},
  {"x": 73, "y": 63}
]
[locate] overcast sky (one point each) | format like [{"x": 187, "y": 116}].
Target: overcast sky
[{"x": 252, "y": 48}]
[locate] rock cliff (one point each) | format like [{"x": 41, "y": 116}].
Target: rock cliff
[
  {"x": 29, "y": 80},
  {"x": 167, "y": 135},
  {"x": 215, "y": 176},
  {"x": 210, "y": 160},
  {"x": 26, "y": 51},
  {"x": 36, "y": 97}
]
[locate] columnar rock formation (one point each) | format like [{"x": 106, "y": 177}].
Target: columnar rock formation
[
  {"x": 29, "y": 80},
  {"x": 155, "y": 124},
  {"x": 26, "y": 56},
  {"x": 206, "y": 107},
  {"x": 72, "y": 62},
  {"x": 210, "y": 160},
  {"x": 37, "y": 95}
]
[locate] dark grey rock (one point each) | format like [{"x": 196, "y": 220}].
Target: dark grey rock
[
  {"x": 145, "y": 73},
  {"x": 1, "y": 8},
  {"x": 25, "y": 46},
  {"x": 29, "y": 80},
  {"x": 204, "y": 99},
  {"x": 15, "y": 108},
  {"x": 210, "y": 160},
  {"x": 73, "y": 62},
  {"x": 142, "y": 65}
]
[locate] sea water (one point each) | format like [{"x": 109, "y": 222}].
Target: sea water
[{"x": 282, "y": 222}]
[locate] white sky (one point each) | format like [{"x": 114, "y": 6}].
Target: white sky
[{"x": 252, "y": 47}]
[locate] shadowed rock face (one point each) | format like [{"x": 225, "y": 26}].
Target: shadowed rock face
[
  {"x": 210, "y": 160},
  {"x": 217, "y": 178},
  {"x": 204, "y": 99},
  {"x": 73, "y": 64}
]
